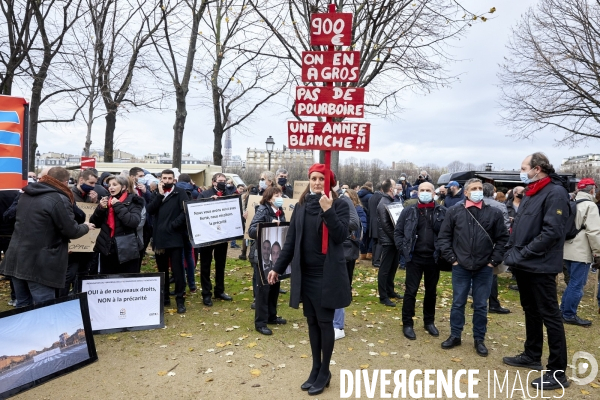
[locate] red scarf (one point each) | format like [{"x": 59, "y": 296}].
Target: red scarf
[
  {"x": 219, "y": 193},
  {"x": 431, "y": 204},
  {"x": 111, "y": 213},
  {"x": 536, "y": 186},
  {"x": 277, "y": 213}
]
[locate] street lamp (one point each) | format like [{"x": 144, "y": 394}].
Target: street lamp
[
  {"x": 37, "y": 159},
  {"x": 243, "y": 166},
  {"x": 270, "y": 144}
]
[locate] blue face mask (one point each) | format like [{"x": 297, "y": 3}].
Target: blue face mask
[
  {"x": 425, "y": 197},
  {"x": 86, "y": 188},
  {"x": 262, "y": 185},
  {"x": 476, "y": 196},
  {"x": 278, "y": 202},
  {"x": 525, "y": 177},
  {"x": 141, "y": 181}
]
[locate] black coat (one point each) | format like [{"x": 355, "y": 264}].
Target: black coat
[
  {"x": 405, "y": 232},
  {"x": 538, "y": 232},
  {"x": 462, "y": 239},
  {"x": 287, "y": 190},
  {"x": 38, "y": 250},
  {"x": 451, "y": 200},
  {"x": 385, "y": 225},
  {"x": 169, "y": 227},
  {"x": 372, "y": 214},
  {"x": 128, "y": 216},
  {"x": 336, "y": 283}
]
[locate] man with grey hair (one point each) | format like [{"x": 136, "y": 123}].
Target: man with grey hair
[
  {"x": 488, "y": 198},
  {"x": 472, "y": 239},
  {"x": 580, "y": 250},
  {"x": 282, "y": 181}
]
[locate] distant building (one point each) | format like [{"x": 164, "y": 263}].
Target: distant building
[
  {"x": 228, "y": 149},
  {"x": 582, "y": 166},
  {"x": 259, "y": 158}
]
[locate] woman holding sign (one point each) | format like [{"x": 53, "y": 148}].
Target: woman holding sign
[
  {"x": 319, "y": 274},
  {"x": 118, "y": 217},
  {"x": 265, "y": 310}
]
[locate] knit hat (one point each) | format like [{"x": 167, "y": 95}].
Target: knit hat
[{"x": 322, "y": 169}]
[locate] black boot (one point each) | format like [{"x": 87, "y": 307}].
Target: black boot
[{"x": 181, "y": 306}]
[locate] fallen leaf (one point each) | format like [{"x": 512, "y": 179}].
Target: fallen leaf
[
  {"x": 251, "y": 345},
  {"x": 407, "y": 356},
  {"x": 394, "y": 353},
  {"x": 291, "y": 346},
  {"x": 188, "y": 335},
  {"x": 303, "y": 342},
  {"x": 381, "y": 341},
  {"x": 229, "y": 353},
  {"x": 303, "y": 356},
  {"x": 372, "y": 353},
  {"x": 228, "y": 329},
  {"x": 383, "y": 354},
  {"x": 456, "y": 359},
  {"x": 332, "y": 362},
  {"x": 584, "y": 392},
  {"x": 172, "y": 373},
  {"x": 258, "y": 355},
  {"x": 112, "y": 338},
  {"x": 364, "y": 366},
  {"x": 162, "y": 373},
  {"x": 209, "y": 379},
  {"x": 281, "y": 366},
  {"x": 595, "y": 386},
  {"x": 208, "y": 371},
  {"x": 255, "y": 372},
  {"x": 465, "y": 381},
  {"x": 229, "y": 361},
  {"x": 191, "y": 349},
  {"x": 371, "y": 344},
  {"x": 163, "y": 346},
  {"x": 220, "y": 344},
  {"x": 210, "y": 350}
]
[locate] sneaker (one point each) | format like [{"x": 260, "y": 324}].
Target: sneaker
[
  {"x": 12, "y": 303},
  {"x": 524, "y": 361},
  {"x": 339, "y": 333},
  {"x": 551, "y": 381}
]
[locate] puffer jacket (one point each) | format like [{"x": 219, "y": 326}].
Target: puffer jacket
[
  {"x": 128, "y": 215},
  {"x": 462, "y": 239},
  {"x": 385, "y": 225},
  {"x": 537, "y": 239},
  {"x": 405, "y": 232},
  {"x": 587, "y": 242},
  {"x": 39, "y": 246},
  {"x": 364, "y": 194}
]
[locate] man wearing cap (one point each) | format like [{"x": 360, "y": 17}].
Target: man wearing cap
[
  {"x": 579, "y": 252},
  {"x": 455, "y": 194}
]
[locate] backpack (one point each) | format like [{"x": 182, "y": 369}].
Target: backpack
[{"x": 570, "y": 228}]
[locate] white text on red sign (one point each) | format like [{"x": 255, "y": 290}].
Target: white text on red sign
[
  {"x": 330, "y": 66},
  {"x": 336, "y": 136},
  {"x": 330, "y": 101},
  {"x": 331, "y": 29}
]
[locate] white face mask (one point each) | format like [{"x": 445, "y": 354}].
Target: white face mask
[{"x": 495, "y": 194}]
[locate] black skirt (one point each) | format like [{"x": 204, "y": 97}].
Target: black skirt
[{"x": 311, "y": 299}]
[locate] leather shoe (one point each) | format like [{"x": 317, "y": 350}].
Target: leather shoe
[
  {"x": 499, "y": 310},
  {"x": 277, "y": 321},
  {"x": 224, "y": 296},
  {"x": 451, "y": 342},
  {"x": 282, "y": 291},
  {"x": 388, "y": 302},
  {"x": 397, "y": 296},
  {"x": 409, "y": 332},
  {"x": 577, "y": 321},
  {"x": 264, "y": 330},
  {"x": 253, "y": 306},
  {"x": 207, "y": 301},
  {"x": 480, "y": 348},
  {"x": 513, "y": 287},
  {"x": 315, "y": 390},
  {"x": 432, "y": 330}
]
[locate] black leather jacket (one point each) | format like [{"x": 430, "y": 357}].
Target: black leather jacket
[{"x": 385, "y": 225}]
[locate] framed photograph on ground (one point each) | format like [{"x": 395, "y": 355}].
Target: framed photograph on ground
[
  {"x": 124, "y": 302},
  {"x": 269, "y": 243},
  {"x": 44, "y": 341},
  {"x": 213, "y": 221}
]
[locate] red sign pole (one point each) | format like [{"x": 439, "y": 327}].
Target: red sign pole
[{"x": 332, "y": 9}]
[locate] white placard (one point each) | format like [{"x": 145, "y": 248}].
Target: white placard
[
  {"x": 124, "y": 302},
  {"x": 395, "y": 209},
  {"x": 216, "y": 221}
]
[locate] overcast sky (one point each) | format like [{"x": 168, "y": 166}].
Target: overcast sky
[{"x": 458, "y": 123}]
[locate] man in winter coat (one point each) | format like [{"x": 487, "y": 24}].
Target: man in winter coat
[
  {"x": 488, "y": 198},
  {"x": 37, "y": 263},
  {"x": 389, "y": 252},
  {"x": 373, "y": 229},
  {"x": 219, "y": 250},
  {"x": 472, "y": 239},
  {"x": 535, "y": 255},
  {"x": 169, "y": 233},
  {"x": 579, "y": 252},
  {"x": 416, "y": 237},
  {"x": 454, "y": 194},
  {"x": 84, "y": 190}
]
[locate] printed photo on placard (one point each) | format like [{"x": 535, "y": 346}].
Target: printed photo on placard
[
  {"x": 44, "y": 341},
  {"x": 270, "y": 241}
]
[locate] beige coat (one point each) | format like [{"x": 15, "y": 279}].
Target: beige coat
[{"x": 587, "y": 242}]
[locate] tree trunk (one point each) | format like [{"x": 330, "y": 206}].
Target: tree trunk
[
  {"x": 180, "y": 117},
  {"x": 34, "y": 112},
  {"x": 218, "y": 132},
  {"x": 109, "y": 134},
  {"x": 6, "y": 88}
]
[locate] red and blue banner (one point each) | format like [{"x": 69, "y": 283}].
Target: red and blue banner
[{"x": 14, "y": 142}]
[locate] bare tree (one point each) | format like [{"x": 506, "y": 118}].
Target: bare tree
[
  {"x": 402, "y": 43},
  {"x": 123, "y": 31},
  {"x": 178, "y": 61},
  {"x": 239, "y": 66},
  {"x": 17, "y": 36},
  {"x": 551, "y": 77},
  {"x": 456, "y": 166}
]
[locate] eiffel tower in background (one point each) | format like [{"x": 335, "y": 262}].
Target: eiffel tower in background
[{"x": 228, "y": 149}]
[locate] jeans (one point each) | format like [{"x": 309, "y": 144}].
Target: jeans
[
  {"x": 30, "y": 292},
  {"x": 338, "y": 318},
  {"x": 365, "y": 244},
  {"x": 540, "y": 304},
  {"x": 481, "y": 282},
  {"x": 415, "y": 269},
  {"x": 387, "y": 272},
  {"x": 578, "y": 273},
  {"x": 190, "y": 265}
]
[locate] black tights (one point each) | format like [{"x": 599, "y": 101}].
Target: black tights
[{"x": 321, "y": 337}]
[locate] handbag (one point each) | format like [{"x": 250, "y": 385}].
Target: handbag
[{"x": 127, "y": 247}]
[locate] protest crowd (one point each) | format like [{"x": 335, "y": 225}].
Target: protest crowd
[{"x": 535, "y": 231}]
